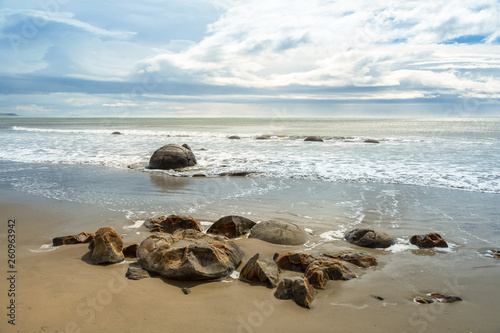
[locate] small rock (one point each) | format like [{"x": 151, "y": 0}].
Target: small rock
[
  {"x": 234, "y": 137},
  {"x": 379, "y": 298},
  {"x": 444, "y": 298},
  {"x": 369, "y": 237},
  {"x": 297, "y": 289},
  {"x": 371, "y": 141},
  {"x": 261, "y": 269},
  {"x": 422, "y": 300},
  {"x": 106, "y": 246},
  {"x": 186, "y": 291},
  {"x": 279, "y": 232},
  {"x": 130, "y": 251},
  {"x": 313, "y": 138},
  {"x": 262, "y": 137},
  {"x": 428, "y": 241},
  {"x": 231, "y": 226},
  {"x": 81, "y": 238},
  {"x": 496, "y": 254},
  {"x": 116, "y": 133},
  {"x": 136, "y": 273},
  {"x": 360, "y": 259}
]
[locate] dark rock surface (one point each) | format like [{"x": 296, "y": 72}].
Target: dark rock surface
[
  {"x": 371, "y": 141},
  {"x": 428, "y": 241},
  {"x": 107, "y": 246},
  {"x": 130, "y": 251},
  {"x": 172, "y": 156},
  {"x": 172, "y": 223},
  {"x": 358, "y": 258},
  {"x": 297, "y": 289},
  {"x": 136, "y": 273},
  {"x": 234, "y": 137},
  {"x": 369, "y": 237},
  {"x": 313, "y": 138},
  {"x": 231, "y": 226},
  {"x": 81, "y": 238},
  {"x": 261, "y": 269}
]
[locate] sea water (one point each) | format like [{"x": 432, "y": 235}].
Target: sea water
[{"x": 425, "y": 174}]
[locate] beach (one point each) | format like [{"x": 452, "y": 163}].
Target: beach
[{"x": 58, "y": 289}]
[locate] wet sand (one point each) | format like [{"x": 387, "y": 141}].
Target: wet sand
[{"x": 60, "y": 291}]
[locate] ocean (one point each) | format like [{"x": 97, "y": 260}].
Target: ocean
[
  {"x": 80, "y": 160},
  {"x": 424, "y": 175}
]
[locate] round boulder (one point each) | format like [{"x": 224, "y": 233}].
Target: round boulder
[
  {"x": 231, "y": 226},
  {"x": 234, "y": 137},
  {"x": 189, "y": 255},
  {"x": 279, "y": 232},
  {"x": 369, "y": 237},
  {"x": 172, "y": 156}
]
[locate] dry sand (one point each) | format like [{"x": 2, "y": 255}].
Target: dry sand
[{"x": 59, "y": 291}]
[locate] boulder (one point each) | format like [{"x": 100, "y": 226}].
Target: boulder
[
  {"x": 231, "y": 226},
  {"x": 172, "y": 223},
  {"x": 116, "y": 133},
  {"x": 189, "y": 255},
  {"x": 297, "y": 289},
  {"x": 358, "y": 258},
  {"x": 130, "y": 251},
  {"x": 136, "y": 273},
  {"x": 234, "y": 137},
  {"x": 81, "y": 238},
  {"x": 496, "y": 253},
  {"x": 371, "y": 141},
  {"x": 313, "y": 138},
  {"x": 318, "y": 270},
  {"x": 172, "y": 156},
  {"x": 428, "y": 241},
  {"x": 422, "y": 300},
  {"x": 107, "y": 246},
  {"x": 261, "y": 269},
  {"x": 279, "y": 232},
  {"x": 293, "y": 261},
  {"x": 262, "y": 137},
  {"x": 369, "y": 237}
]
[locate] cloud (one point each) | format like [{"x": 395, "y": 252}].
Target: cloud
[
  {"x": 32, "y": 109},
  {"x": 262, "y": 44}
]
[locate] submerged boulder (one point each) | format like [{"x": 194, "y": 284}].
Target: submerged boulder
[
  {"x": 428, "y": 241},
  {"x": 231, "y": 226},
  {"x": 107, "y": 246},
  {"x": 81, "y": 238},
  {"x": 298, "y": 289},
  {"x": 234, "y": 137},
  {"x": 172, "y": 223},
  {"x": 172, "y": 156},
  {"x": 189, "y": 255},
  {"x": 369, "y": 237},
  {"x": 371, "y": 141},
  {"x": 358, "y": 258},
  {"x": 313, "y": 138},
  {"x": 279, "y": 232},
  {"x": 261, "y": 269}
]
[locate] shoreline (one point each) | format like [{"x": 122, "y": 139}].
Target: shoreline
[{"x": 59, "y": 292}]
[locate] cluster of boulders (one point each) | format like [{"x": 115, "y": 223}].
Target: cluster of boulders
[
  {"x": 179, "y": 249},
  {"x": 312, "y": 138}
]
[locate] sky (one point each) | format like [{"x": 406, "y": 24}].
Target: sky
[{"x": 228, "y": 58}]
